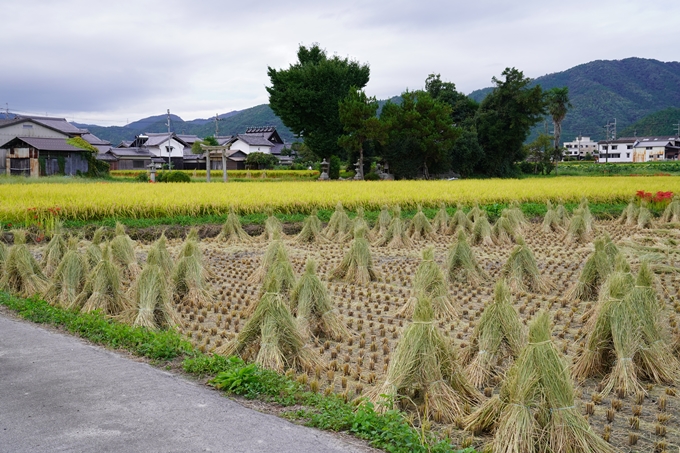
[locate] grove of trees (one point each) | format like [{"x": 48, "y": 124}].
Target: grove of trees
[{"x": 433, "y": 131}]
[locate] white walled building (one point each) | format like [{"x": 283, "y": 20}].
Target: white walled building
[
  {"x": 163, "y": 146},
  {"x": 619, "y": 150},
  {"x": 639, "y": 149},
  {"x": 580, "y": 147}
]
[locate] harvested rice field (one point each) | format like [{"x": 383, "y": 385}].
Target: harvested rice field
[{"x": 406, "y": 316}]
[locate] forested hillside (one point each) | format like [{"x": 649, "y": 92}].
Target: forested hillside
[{"x": 601, "y": 91}]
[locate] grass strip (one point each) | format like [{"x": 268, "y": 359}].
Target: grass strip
[
  {"x": 389, "y": 430},
  {"x": 531, "y": 210}
]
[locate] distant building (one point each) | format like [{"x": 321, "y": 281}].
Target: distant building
[
  {"x": 37, "y": 145},
  {"x": 639, "y": 149},
  {"x": 581, "y": 146}
]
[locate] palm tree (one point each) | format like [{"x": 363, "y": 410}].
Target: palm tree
[{"x": 557, "y": 100}]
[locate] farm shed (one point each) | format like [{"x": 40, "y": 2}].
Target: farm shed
[{"x": 33, "y": 156}]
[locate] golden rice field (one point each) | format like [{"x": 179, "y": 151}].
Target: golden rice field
[{"x": 97, "y": 200}]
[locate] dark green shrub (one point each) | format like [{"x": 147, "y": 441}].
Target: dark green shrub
[
  {"x": 334, "y": 168},
  {"x": 173, "y": 176},
  {"x": 142, "y": 177},
  {"x": 371, "y": 177}
]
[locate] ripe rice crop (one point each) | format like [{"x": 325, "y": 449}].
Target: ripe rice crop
[{"x": 97, "y": 200}]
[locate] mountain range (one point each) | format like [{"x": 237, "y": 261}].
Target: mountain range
[{"x": 601, "y": 91}]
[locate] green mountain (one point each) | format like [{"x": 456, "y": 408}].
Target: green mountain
[
  {"x": 663, "y": 122},
  {"x": 603, "y": 90},
  {"x": 231, "y": 123}
]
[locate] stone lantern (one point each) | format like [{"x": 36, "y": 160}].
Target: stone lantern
[{"x": 325, "y": 166}]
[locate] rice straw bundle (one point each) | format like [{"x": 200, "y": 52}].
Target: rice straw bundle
[
  {"x": 152, "y": 308},
  {"x": 232, "y": 232},
  {"x": 521, "y": 271},
  {"x": 358, "y": 222},
  {"x": 420, "y": 227},
  {"x": 498, "y": 334},
  {"x": 459, "y": 221},
  {"x": 273, "y": 328},
  {"x": 357, "y": 264},
  {"x": 535, "y": 409},
  {"x": 655, "y": 360},
  {"x": 339, "y": 224},
  {"x": 516, "y": 215},
  {"x": 461, "y": 264},
  {"x": 587, "y": 216},
  {"x": 93, "y": 254},
  {"x": 3, "y": 254},
  {"x": 505, "y": 229},
  {"x": 440, "y": 222},
  {"x": 102, "y": 290},
  {"x": 273, "y": 229},
  {"x": 578, "y": 230},
  {"x": 316, "y": 313},
  {"x": 424, "y": 362},
  {"x": 475, "y": 213},
  {"x": 69, "y": 277},
  {"x": 21, "y": 273},
  {"x": 192, "y": 235},
  {"x": 629, "y": 215},
  {"x": 611, "y": 332},
  {"x": 396, "y": 235},
  {"x": 563, "y": 214},
  {"x": 551, "y": 221},
  {"x": 123, "y": 252},
  {"x": 383, "y": 223},
  {"x": 160, "y": 256},
  {"x": 481, "y": 231},
  {"x": 645, "y": 218},
  {"x": 596, "y": 269},
  {"x": 429, "y": 282},
  {"x": 311, "y": 230},
  {"x": 99, "y": 236},
  {"x": 275, "y": 268},
  {"x": 54, "y": 252},
  {"x": 672, "y": 211},
  {"x": 188, "y": 281}
]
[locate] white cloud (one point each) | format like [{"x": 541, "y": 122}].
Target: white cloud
[{"x": 110, "y": 62}]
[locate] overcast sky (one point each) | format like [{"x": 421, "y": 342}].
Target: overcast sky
[{"x": 112, "y": 62}]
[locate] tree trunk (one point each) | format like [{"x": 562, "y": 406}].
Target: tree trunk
[
  {"x": 558, "y": 134},
  {"x": 361, "y": 162},
  {"x": 425, "y": 172}
]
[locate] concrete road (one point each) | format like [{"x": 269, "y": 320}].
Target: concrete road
[{"x": 59, "y": 394}]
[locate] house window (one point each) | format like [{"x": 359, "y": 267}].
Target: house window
[
  {"x": 604, "y": 147},
  {"x": 137, "y": 164},
  {"x": 629, "y": 147},
  {"x": 27, "y": 126},
  {"x": 627, "y": 154},
  {"x": 649, "y": 148},
  {"x": 615, "y": 146}
]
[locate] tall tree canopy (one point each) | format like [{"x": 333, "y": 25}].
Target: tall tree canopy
[
  {"x": 306, "y": 95},
  {"x": 421, "y": 135},
  {"x": 504, "y": 120},
  {"x": 557, "y": 101},
  {"x": 357, "y": 115}
]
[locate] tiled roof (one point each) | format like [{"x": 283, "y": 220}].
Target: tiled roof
[
  {"x": 55, "y": 123},
  {"x": 254, "y": 140},
  {"x": 49, "y": 144},
  {"x": 141, "y": 153}
]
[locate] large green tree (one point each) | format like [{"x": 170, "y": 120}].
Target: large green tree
[
  {"x": 504, "y": 120},
  {"x": 557, "y": 100},
  {"x": 360, "y": 123},
  {"x": 466, "y": 153},
  {"x": 421, "y": 135},
  {"x": 306, "y": 95}
]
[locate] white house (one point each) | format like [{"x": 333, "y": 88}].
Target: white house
[
  {"x": 258, "y": 140},
  {"x": 619, "y": 150},
  {"x": 164, "y": 146},
  {"x": 580, "y": 147},
  {"x": 655, "y": 148}
]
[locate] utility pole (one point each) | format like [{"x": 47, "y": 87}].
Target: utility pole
[
  {"x": 6, "y": 110},
  {"x": 169, "y": 147},
  {"x": 606, "y": 141},
  {"x": 677, "y": 129}
]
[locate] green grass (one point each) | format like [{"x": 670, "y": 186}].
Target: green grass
[
  {"x": 389, "y": 430},
  {"x": 531, "y": 210}
]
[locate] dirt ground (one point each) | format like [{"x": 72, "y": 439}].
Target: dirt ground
[{"x": 360, "y": 361}]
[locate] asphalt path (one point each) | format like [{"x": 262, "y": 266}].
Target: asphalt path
[{"x": 61, "y": 394}]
